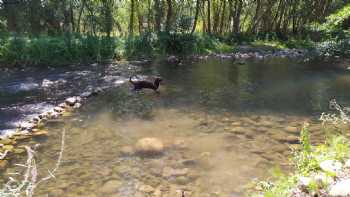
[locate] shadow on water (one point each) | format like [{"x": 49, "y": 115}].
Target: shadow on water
[{"x": 221, "y": 125}]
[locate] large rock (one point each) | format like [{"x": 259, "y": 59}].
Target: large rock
[
  {"x": 110, "y": 187},
  {"x": 149, "y": 146},
  {"x": 331, "y": 166},
  {"x": 342, "y": 188}
]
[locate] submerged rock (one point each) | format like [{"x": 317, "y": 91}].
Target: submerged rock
[
  {"x": 173, "y": 59},
  {"x": 146, "y": 188},
  {"x": 110, "y": 186},
  {"x": 291, "y": 129},
  {"x": 340, "y": 189},
  {"x": 126, "y": 151},
  {"x": 149, "y": 146},
  {"x": 170, "y": 172},
  {"x": 47, "y": 83}
]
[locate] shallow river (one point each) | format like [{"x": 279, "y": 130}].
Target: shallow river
[{"x": 222, "y": 126}]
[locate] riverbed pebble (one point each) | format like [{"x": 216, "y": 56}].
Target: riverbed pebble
[
  {"x": 171, "y": 172},
  {"x": 340, "y": 189},
  {"x": 149, "y": 146},
  {"x": 27, "y": 126},
  {"x": 110, "y": 186},
  {"x": 331, "y": 166},
  {"x": 72, "y": 100},
  {"x": 77, "y": 105},
  {"x": 291, "y": 129},
  {"x": 126, "y": 150}
]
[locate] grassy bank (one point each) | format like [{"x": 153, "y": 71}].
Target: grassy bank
[
  {"x": 74, "y": 48},
  {"x": 315, "y": 166},
  {"x": 68, "y": 49}
]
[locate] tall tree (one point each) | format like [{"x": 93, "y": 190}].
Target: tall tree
[
  {"x": 158, "y": 15},
  {"x": 131, "y": 23},
  {"x": 35, "y": 15},
  {"x": 169, "y": 16},
  {"x": 196, "y": 16},
  {"x": 10, "y": 14},
  {"x": 208, "y": 15}
]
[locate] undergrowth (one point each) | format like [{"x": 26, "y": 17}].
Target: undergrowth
[{"x": 307, "y": 160}]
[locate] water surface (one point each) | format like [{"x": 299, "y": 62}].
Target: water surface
[{"x": 222, "y": 125}]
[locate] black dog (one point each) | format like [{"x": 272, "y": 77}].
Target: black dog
[{"x": 139, "y": 85}]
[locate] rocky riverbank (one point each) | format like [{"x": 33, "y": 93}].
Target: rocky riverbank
[
  {"x": 243, "y": 53},
  {"x": 33, "y": 97}
]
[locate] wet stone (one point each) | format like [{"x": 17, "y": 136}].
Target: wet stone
[
  {"x": 170, "y": 172},
  {"x": 146, "y": 188},
  {"x": 19, "y": 151},
  {"x": 126, "y": 151},
  {"x": 110, "y": 186},
  {"x": 8, "y": 148},
  {"x": 238, "y": 130},
  {"x": 6, "y": 141},
  {"x": 149, "y": 146},
  {"x": 182, "y": 180},
  {"x": 290, "y": 129},
  {"x": 340, "y": 189},
  {"x": 41, "y": 133}
]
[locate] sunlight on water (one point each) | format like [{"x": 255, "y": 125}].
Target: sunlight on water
[{"x": 214, "y": 128}]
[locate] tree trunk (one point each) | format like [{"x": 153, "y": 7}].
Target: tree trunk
[
  {"x": 237, "y": 16},
  {"x": 35, "y": 12},
  {"x": 255, "y": 20},
  {"x": 195, "y": 16},
  {"x": 79, "y": 16},
  {"x": 71, "y": 13},
  {"x": 131, "y": 22},
  {"x": 158, "y": 15},
  {"x": 11, "y": 16},
  {"x": 222, "y": 17},
  {"x": 169, "y": 15},
  {"x": 140, "y": 19},
  {"x": 216, "y": 16},
  {"x": 149, "y": 16},
  {"x": 208, "y": 15}
]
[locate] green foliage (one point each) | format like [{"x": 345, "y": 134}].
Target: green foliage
[
  {"x": 55, "y": 50},
  {"x": 307, "y": 162},
  {"x": 339, "y": 48},
  {"x": 151, "y": 44},
  {"x": 334, "y": 24}
]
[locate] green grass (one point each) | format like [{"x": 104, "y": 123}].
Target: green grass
[
  {"x": 24, "y": 50},
  {"x": 306, "y": 162}
]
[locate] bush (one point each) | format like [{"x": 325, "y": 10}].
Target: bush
[{"x": 62, "y": 50}]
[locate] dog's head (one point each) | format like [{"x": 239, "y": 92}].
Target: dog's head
[{"x": 158, "y": 80}]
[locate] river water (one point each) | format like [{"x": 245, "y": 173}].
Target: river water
[{"x": 222, "y": 125}]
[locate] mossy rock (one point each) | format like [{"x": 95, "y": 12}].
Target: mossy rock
[
  {"x": 41, "y": 133},
  {"x": 8, "y": 148},
  {"x": 22, "y": 137},
  {"x": 7, "y": 141},
  {"x": 19, "y": 151}
]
